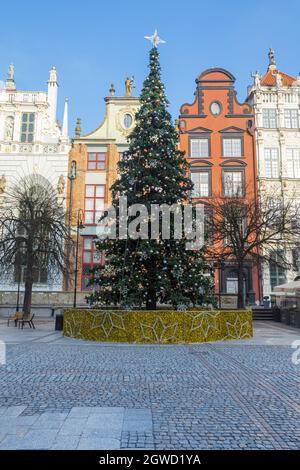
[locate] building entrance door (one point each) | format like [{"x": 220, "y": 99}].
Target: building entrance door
[{"x": 232, "y": 286}]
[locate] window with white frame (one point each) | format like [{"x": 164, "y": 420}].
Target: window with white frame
[
  {"x": 271, "y": 158},
  {"x": 199, "y": 148},
  {"x": 232, "y": 147},
  {"x": 233, "y": 181},
  {"x": 231, "y": 230},
  {"x": 269, "y": 118},
  {"x": 295, "y": 214},
  {"x": 291, "y": 118},
  {"x": 293, "y": 163},
  {"x": 202, "y": 183},
  {"x": 277, "y": 268},
  {"x": 27, "y": 127}
]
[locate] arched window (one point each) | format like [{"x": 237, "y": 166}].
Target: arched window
[{"x": 128, "y": 120}]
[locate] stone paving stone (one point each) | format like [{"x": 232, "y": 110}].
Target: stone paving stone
[
  {"x": 102, "y": 410},
  {"x": 34, "y": 439},
  {"x": 137, "y": 425},
  {"x": 46, "y": 423},
  {"x": 86, "y": 443},
  {"x": 73, "y": 427},
  {"x": 114, "y": 433},
  {"x": 16, "y": 429},
  {"x": 14, "y": 411},
  {"x": 80, "y": 412},
  {"x": 65, "y": 443}
]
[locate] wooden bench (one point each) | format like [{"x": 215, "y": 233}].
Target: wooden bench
[
  {"x": 15, "y": 318},
  {"x": 27, "y": 319}
]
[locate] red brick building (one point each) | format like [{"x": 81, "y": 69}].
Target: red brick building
[{"x": 217, "y": 134}]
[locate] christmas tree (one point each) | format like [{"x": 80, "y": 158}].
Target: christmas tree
[{"x": 145, "y": 272}]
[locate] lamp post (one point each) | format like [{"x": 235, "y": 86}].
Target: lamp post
[
  {"x": 18, "y": 292},
  {"x": 80, "y": 226},
  {"x": 71, "y": 177},
  {"x": 220, "y": 265},
  {"x": 19, "y": 267}
]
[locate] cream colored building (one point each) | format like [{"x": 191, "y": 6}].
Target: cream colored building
[
  {"x": 276, "y": 101},
  {"x": 95, "y": 157}
]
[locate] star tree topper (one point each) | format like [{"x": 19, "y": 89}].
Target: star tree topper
[{"x": 155, "y": 39}]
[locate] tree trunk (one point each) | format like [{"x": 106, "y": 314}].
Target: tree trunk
[
  {"x": 27, "y": 295},
  {"x": 28, "y": 280},
  {"x": 151, "y": 299},
  {"x": 240, "y": 286}
]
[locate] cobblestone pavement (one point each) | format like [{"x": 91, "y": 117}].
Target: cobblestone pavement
[{"x": 57, "y": 393}]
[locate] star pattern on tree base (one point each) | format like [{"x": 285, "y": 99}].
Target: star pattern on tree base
[
  {"x": 238, "y": 329},
  {"x": 206, "y": 322},
  {"x": 158, "y": 331},
  {"x": 73, "y": 327},
  {"x": 108, "y": 321}
]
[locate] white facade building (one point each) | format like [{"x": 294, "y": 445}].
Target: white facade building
[
  {"x": 32, "y": 142},
  {"x": 276, "y": 101}
]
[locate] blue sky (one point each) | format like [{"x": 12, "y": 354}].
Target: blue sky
[{"x": 94, "y": 43}]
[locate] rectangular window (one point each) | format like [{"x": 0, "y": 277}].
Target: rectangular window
[
  {"x": 233, "y": 183},
  {"x": 94, "y": 203},
  {"x": 291, "y": 118},
  {"x": 232, "y": 147},
  {"x": 202, "y": 183},
  {"x": 91, "y": 257},
  {"x": 199, "y": 148},
  {"x": 230, "y": 231},
  {"x": 96, "y": 161},
  {"x": 269, "y": 118},
  {"x": 277, "y": 271},
  {"x": 27, "y": 127},
  {"x": 293, "y": 163},
  {"x": 271, "y": 163}
]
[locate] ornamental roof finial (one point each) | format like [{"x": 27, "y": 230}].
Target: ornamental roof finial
[
  {"x": 272, "y": 62},
  {"x": 78, "y": 128}
]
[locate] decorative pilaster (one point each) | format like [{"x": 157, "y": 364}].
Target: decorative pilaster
[{"x": 112, "y": 170}]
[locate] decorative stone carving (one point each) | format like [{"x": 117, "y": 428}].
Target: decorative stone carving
[
  {"x": 50, "y": 148},
  {"x": 257, "y": 79},
  {"x": 9, "y": 128},
  {"x": 26, "y": 148},
  {"x": 278, "y": 80},
  {"x": 2, "y": 184},
  {"x": 11, "y": 72},
  {"x": 129, "y": 85},
  {"x": 61, "y": 185}
]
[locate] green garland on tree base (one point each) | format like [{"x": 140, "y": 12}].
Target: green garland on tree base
[{"x": 157, "y": 327}]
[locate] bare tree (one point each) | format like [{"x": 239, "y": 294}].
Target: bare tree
[
  {"x": 251, "y": 231},
  {"x": 33, "y": 231}
]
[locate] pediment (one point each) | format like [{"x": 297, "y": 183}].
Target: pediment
[
  {"x": 200, "y": 162},
  {"x": 199, "y": 130},
  {"x": 232, "y": 130},
  {"x": 232, "y": 162}
]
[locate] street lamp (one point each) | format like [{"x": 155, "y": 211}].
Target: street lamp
[
  {"x": 220, "y": 264},
  {"x": 71, "y": 177},
  {"x": 80, "y": 226},
  {"x": 19, "y": 268}
]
